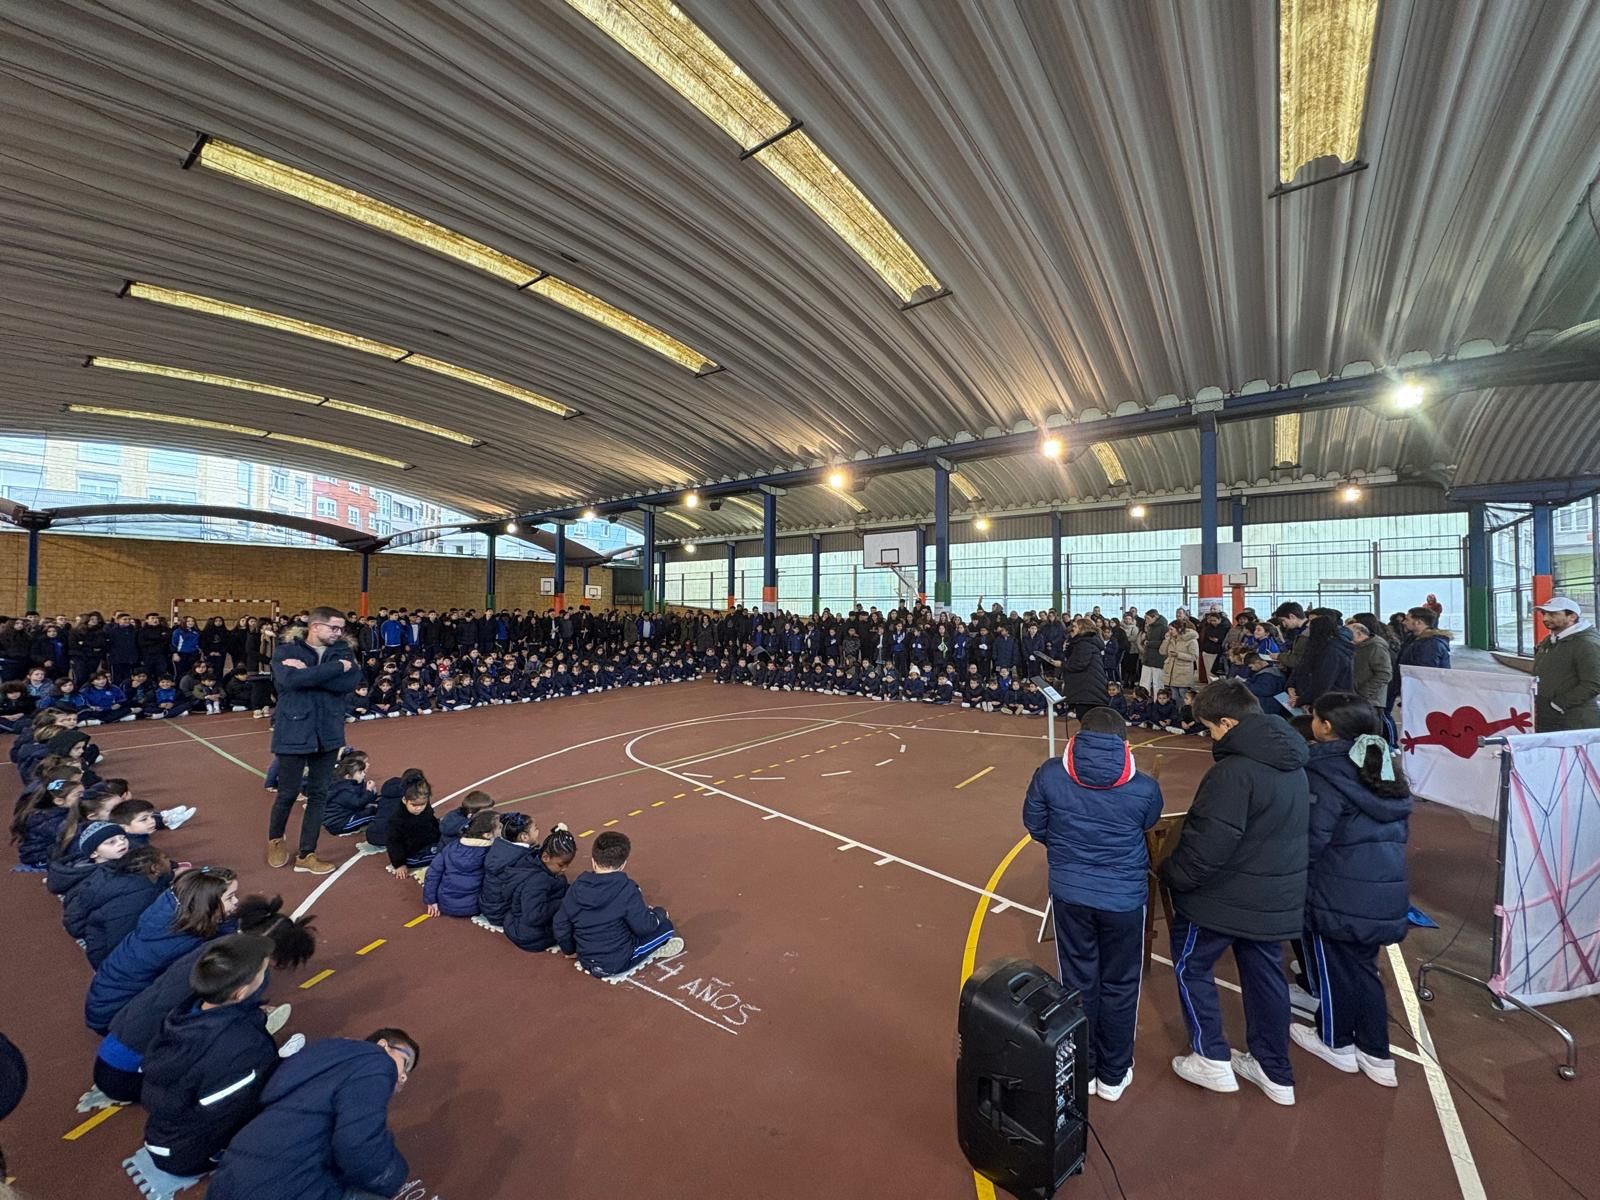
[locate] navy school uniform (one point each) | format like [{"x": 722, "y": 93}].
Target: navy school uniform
[
  {"x": 1118, "y": 704},
  {"x": 483, "y": 690},
  {"x": 413, "y": 838},
  {"x": 203, "y": 1080},
  {"x": 1163, "y": 714},
  {"x": 503, "y": 868},
  {"x": 40, "y": 832},
  {"x": 106, "y": 906},
  {"x": 605, "y": 921},
  {"x": 414, "y": 698},
  {"x": 359, "y": 705},
  {"x": 914, "y": 688},
  {"x": 456, "y": 876},
  {"x": 944, "y": 692},
  {"x": 119, "y": 1060},
  {"x": 1032, "y": 701},
  {"x": 138, "y": 959},
  {"x": 350, "y": 806},
  {"x": 391, "y": 799},
  {"x": 1138, "y": 712},
  {"x": 1090, "y": 808}
]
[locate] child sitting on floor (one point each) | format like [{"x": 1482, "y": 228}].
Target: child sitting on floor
[
  {"x": 352, "y": 801},
  {"x": 510, "y": 856},
  {"x": 473, "y": 803},
  {"x": 413, "y": 835},
  {"x": 604, "y": 922},
  {"x": 456, "y": 876},
  {"x": 539, "y": 892},
  {"x": 1138, "y": 714},
  {"x": 37, "y": 827},
  {"x": 390, "y": 798},
  {"x": 1164, "y": 712}
]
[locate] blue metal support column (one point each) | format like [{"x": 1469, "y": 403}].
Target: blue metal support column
[
  {"x": 1544, "y": 567},
  {"x": 33, "y": 570},
  {"x": 1479, "y": 620},
  {"x": 733, "y": 576},
  {"x": 1055, "y": 560},
  {"x": 488, "y": 574},
  {"x": 922, "y": 564},
  {"x": 647, "y": 562},
  {"x": 561, "y": 567},
  {"x": 585, "y": 603},
  {"x": 661, "y": 580},
  {"x": 769, "y": 550},
  {"x": 1210, "y": 598},
  {"x": 816, "y": 574},
  {"x": 941, "y": 537}
]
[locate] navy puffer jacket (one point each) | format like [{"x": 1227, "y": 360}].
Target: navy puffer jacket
[
  {"x": 1358, "y": 891},
  {"x": 138, "y": 959},
  {"x": 503, "y": 869},
  {"x": 603, "y": 918},
  {"x": 530, "y": 920},
  {"x": 1090, "y": 808},
  {"x": 107, "y": 905},
  {"x": 456, "y": 876}
]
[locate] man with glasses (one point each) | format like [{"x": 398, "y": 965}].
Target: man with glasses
[{"x": 314, "y": 676}]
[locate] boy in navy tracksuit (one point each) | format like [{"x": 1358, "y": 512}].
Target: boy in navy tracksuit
[
  {"x": 604, "y": 922},
  {"x": 352, "y": 801},
  {"x": 1091, "y": 809}
]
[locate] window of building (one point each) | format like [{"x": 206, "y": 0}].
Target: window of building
[
  {"x": 355, "y": 487},
  {"x": 175, "y": 462},
  {"x": 99, "y": 452},
  {"x": 1574, "y": 518},
  {"x": 278, "y": 481},
  {"x": 353, "y": 516},
  {"x": 163, "y": 495},
  {"x": 372, "y": 520},
  {"x": 22, "y": 447},
  {"x": 327, "y": 506},
  {"x": 326, "y": 479},
  {"x": 102, "y": 487},
  {"x": 246, "y": 476},
  {"x": 300, "y": 487}
]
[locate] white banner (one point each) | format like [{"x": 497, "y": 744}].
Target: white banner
[
  {"x": 1549, "y": 903},
  {"x": 1444, "y": 714}
]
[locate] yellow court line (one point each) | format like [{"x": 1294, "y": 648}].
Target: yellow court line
[
  {"x": 371, "y": 946},
  {"x": 718, "y": 782},
  {"x": 610, "y": 823},
  {"x": 415, "y": 921},
  {"x": 974, "y": 778},
  {"x": 969, "y": 959},
  {"x": 636, "y": 812},
  {"x": 740, "y": 775},
  {"x": 104, "y": 1115},
  {"x": 679, "y": 795},
  {"x": 586, "y": 833},
  {"x": 658, "y": 804},
  {"x": 316, "y": 979}
]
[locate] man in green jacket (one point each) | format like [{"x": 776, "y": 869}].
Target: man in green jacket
[{"x": 1567, "y": 664}]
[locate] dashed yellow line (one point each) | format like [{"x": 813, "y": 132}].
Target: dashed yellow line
[
  {"x": 586, "y": 833},
  {"x": 658, "y": 804},
  {"x": 739, "y": 776},
  {"x": 371, "y": 946},
  {"x": 636, "y": 812},
  {"x": 679, "y": 795},
  {"x": 415, "y": 921},
  {"x": 611, "y": 822},
  {"x": 973, "y": 778},
  {"x": 104, "y": 1115},
  {"x": 315, "y": 979},
  {"x": 718, "y": 782}
]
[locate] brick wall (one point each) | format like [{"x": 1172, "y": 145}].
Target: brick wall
[{"x": 77, "y": 574}]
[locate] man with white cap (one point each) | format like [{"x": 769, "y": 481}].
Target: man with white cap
[{"x": 1567, "y": 664}]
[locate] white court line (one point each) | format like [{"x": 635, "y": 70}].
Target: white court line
[
  {"x": 215, "y": 737},
  {"x": 1000, "y": 908},
  {"x": 671, "y": 1000},
  {"x": 697, "y": 775},
  {"x": 767, "y": 778},
  {"x": 879, "y": 863},
  {"x": 1455, "y": 1137},
  {"x": 884, "y": 763},
  {"x": 852, "y": 846},
  {"x": 831, "y": 774},
  {"x": 828, "y": 833},
  {"x": 770, "y": 817}
]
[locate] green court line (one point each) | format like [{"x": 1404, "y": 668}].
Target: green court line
[{"x": 238, "y": 762}]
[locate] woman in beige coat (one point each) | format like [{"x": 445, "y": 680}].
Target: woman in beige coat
[{"x": 1181, "y": 648}]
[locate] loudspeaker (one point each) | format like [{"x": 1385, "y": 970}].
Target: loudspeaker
[{"x": 1022, "y": 1081}]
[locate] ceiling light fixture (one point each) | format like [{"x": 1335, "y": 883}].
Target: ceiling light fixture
[
  {"x": 263, "y": 172},
  {"x": 691, "y": 499},
  {"x": 254, "y": 316},
  {"x": 664, "y": 39},
  {"x": 690, "y": 548},
  {"x": 1407, "y": 396},
  {"x": 838, "y": 479},
  {"x": 981, "y": 524},
  {"x": 1106, "y": 455},
  {"x": 1324, "y": 57},
  {"x": 1350, "y": 493},
  {"x": 511, "y": 526},
  {"x": 281, "y": 393},
  {"x": 1051, "y": 447},
  {"x": 1137, "y": 511},
  {"x": 97, "y": 410},
  {"x": 587, "y": 514},
  {"x": 750, "y": 506}
]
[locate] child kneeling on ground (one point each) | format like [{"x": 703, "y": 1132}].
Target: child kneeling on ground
[
  {"x": 1091, "y": 809},
  {"x": 604, "y": 922},
  {"x": 412, "y": 838}
]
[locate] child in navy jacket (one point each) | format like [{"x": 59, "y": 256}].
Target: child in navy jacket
[
  {"x": 604, "y": 922},
  {"x": 539, "y": 892},
  {"x": 1164, "y": 712},
  {"x": 412, "y": 839},
  {"x": 512, "y": 853},
  {"x": 352, "y": 802},
  {"x": 455, "y": 823},
  {"x": 456, "y": 876},
  {"x": 1091, "y": 809}
]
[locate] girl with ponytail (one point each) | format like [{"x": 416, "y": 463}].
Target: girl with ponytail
[
  {"x": 530, "y": 920},
  {"x": 1356, "y": 894}
]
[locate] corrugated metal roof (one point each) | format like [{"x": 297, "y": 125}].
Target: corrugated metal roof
[{"x": 1089, "y": 179}]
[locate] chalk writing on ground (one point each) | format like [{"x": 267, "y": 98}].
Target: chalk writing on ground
[{"x": 703, "y": 992}]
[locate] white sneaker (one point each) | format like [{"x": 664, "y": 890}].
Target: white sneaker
[
  {"x": 94, "y": 1099},
  {"x": 174, "y": 817},
  {"x": 1302, "y": 1000},
  {"x": 1210, "y": 1073},
  {"x": 1112, "y": 1092},
  {"x": 670, "y": 948},
  {"x": 365, "y": 847},
  {"x": 1246, "y": 1067},
  {"x": 293, "y": 1046},
  {"x": 279, "y": 1017},
  {"x": 1379, "y": 1070},
  {"x": 1308, "y": 1040},
  {"x": 129, "y": 717}
]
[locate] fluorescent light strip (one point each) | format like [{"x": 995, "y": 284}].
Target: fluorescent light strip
[
  {"x": 660, "y": 36},
  {"x": 689, "y": 521},
  {"x": 1324, "y": 57},
  {"x": 749, "y": 506},
  {"x": 255, "y": 316},
  {"x": 282, "y": 393},
  {"x": 354, "y": 206},
  {"x": 386, "y": 218},
  {"x": 965, "y": 486},
  {"x": 850, "y": 500},
  {"x": 1286, "y": 440},
  {"x": 242, "y": 430},
  {"x": 1105, "y": 454}
]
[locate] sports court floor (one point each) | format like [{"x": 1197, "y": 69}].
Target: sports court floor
[{"x": 836, "y": 867}]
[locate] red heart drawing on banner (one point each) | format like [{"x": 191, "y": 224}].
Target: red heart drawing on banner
[{"x": 1458, "y": 732}]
